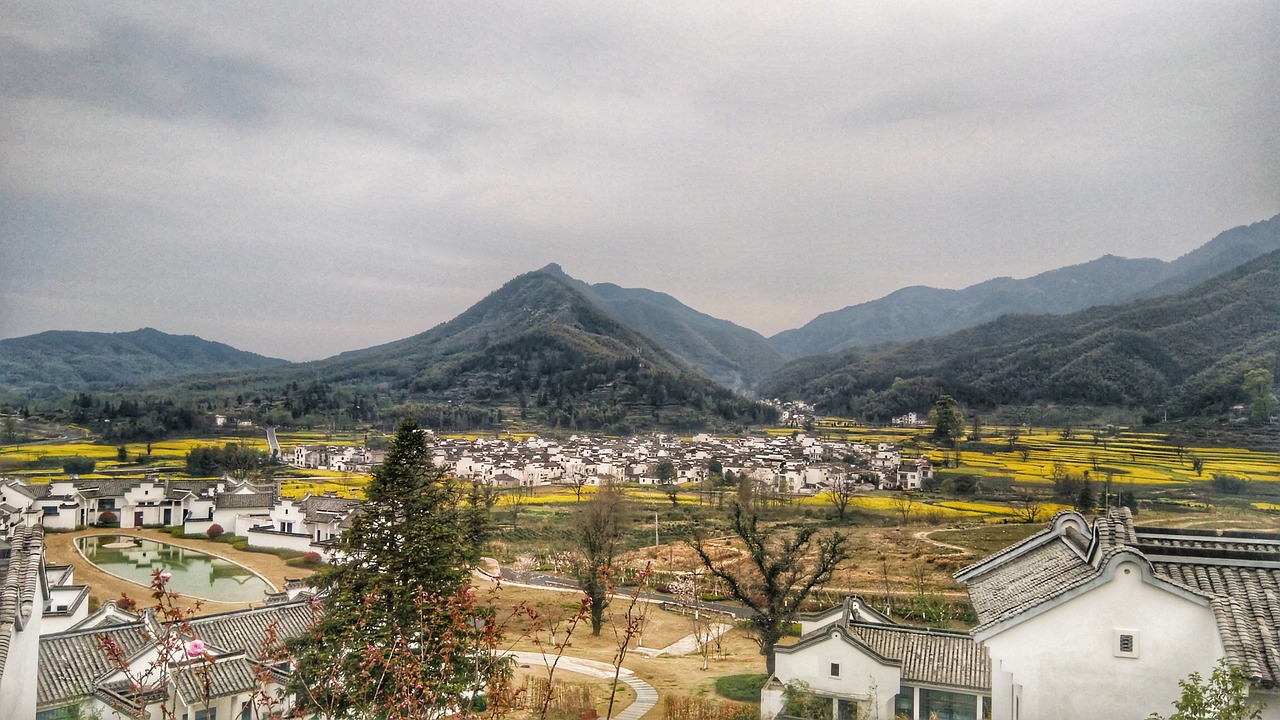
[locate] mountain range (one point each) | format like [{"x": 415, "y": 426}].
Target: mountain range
[
  {"x": 565, "y": 352},
  {"x": 63, "y": 360},
  {"x": 920, "y": 312},
  {"x": 1188, "y": 352},
  {"x": 537, "y": 344}
]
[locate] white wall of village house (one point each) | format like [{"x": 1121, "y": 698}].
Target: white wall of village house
[
  {"x": 18, "y": 683},
  {"x": 861, "y": 676},
  {"x": 1061, "y": 663}
]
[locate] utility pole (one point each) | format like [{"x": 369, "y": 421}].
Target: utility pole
[{"x": 655, "y": 528}]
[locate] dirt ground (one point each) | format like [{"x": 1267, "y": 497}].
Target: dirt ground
[
  {"x": 667, "y": 674},
  {"x": 60, "y": 549}
]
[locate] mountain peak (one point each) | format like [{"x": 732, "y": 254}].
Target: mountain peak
[{"x": 553, "y": 269}]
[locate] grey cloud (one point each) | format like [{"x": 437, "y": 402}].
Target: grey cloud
[
  {"x": 368, "y": 171},
  {"x": 131, "y": 69}
]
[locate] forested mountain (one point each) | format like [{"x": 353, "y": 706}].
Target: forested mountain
[
  {"x": 78, "y": 361},
  {"x": 921, "y": 312},
  {"x": 537, "y": 347},
  {"x": 727, "y": 353},
  {"x": 1187, "y": 352}
]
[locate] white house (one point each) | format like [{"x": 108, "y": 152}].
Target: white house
[
  {"x": 912, "y": 474},
  {"x": 1103, "y": 620},
  {"x": 67, "y": 603},
  {"x": 868, "y": 666},
  {"x": 312, "y": 524}
]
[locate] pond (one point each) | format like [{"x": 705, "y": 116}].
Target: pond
[{"x": 195, "y": 573}]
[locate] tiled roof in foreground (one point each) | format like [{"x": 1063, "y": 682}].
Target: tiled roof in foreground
[
  {"x": 1236, "y": 572},
  {"x": 19, "y": 582},
  {"x": 934, "y": 657},
  {"x": 72, "y": 663}
]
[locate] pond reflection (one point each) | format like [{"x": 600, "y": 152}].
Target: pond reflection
[{"x": 195, "y": 573}]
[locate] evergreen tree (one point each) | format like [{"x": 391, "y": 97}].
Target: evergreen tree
[
  {"x": 1260, "y": 384},
  {"x": 1085, "y": 501},
  {"x": 418, "y": 535},
  {"x": 948, "y": 419}
]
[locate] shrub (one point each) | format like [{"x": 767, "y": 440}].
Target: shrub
[
  {"x": 1229, "y": 484},
  {"x": 214, "y": 531},
  {"x": 106, "y": 517},
  {"x": 78, "y": 465},
  {"x": 743, "y": 688},
  {"x": 311, "y": 558}
]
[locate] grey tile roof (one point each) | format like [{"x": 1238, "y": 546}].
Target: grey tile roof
[
  {"x": 72, "y": 663},
  {"x": 321, "y": 508},
  {"x": 35, "y": 492},
  {"x": 1036, "y": 577},
  {"x": 19, "y": 583},
  {"x": 224, "y": 677},
  {"x": 1238, "y": 572},
  {"x": 925, "y": 655},
  {"x": 245, "y": 500},
  {"x": 934, "y": 657}
]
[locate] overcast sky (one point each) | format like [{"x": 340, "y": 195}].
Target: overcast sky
[{"x": 300, "y": 179}]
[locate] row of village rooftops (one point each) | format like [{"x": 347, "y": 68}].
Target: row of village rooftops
[
  {"x": 310, "y": 524},
  {"x": 799, "y": 464}
]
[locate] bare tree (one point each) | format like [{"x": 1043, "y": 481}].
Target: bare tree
[
  {"x": 1028, "y": 507},
  {"x": 904, "y": 504},
  {"x": 841, "y": 494},
  {"x": 579, "y": 481},
  {"x": 782, "y": 569},
  {"x": 600, "y": 522}
]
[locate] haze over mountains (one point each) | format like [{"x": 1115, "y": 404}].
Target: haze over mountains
[
  {"x": 598, "y": 355},
  {"x": 74, "y": 361},
  {"x": 920, "y": 312},
  {"x": 1187, "y": 352},
  {"x": 538, "y": 344}
]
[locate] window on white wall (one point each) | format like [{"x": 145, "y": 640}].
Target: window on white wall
[
  {"x": 835, "y": 669},
  {"x": 1125, "y": 643}
]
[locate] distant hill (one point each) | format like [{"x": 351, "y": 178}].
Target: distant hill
[
  {"x": 79, "y": 361},
  {"x": 1187, "y": 352},
  {"x": 921, "y": 312},
  {"x": 538, "y": 347},
  {"x": 731, "y": 355}
]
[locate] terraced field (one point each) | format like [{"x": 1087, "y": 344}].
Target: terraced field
[{"x": 1129, "y": 457}]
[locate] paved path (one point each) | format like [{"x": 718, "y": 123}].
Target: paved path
[
  {"x": 924, "y": 535},
  {"x": 646, "y": 696},
  {"x": 273, "y": 443},
  {"x": 686, "y": 645}
]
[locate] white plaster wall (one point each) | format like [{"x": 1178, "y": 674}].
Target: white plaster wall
[
  {"x": 65, "y": 519},
  {"x": 859, "y": 673},
  {"x": 18, "y": 683},
  {"x": 1064, "y": 662},
  {"x": 301, "y": 543},
  {"x": 1270, "y": 700}
]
